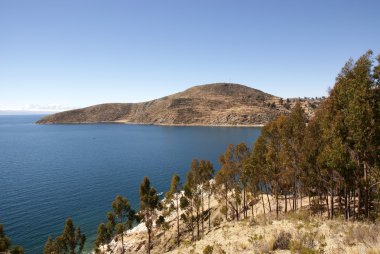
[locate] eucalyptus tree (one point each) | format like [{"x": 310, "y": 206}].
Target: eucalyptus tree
[
  {"x": 356, "y": 96},
  {"x": 260, "y": 175},
  {"x": 187, "y": 204},
  {"x": 110, "y": 226},
  {"x": 101, "y": 238},
  {"x": 269, "y": 158},
  {"x": 351, "y": 128},
  {"x": 207, "y": 172},
  {"x": 5, "y": 241},
  {"x": 292, "y": 145},
  {"x": 126, "y": 215},
  {"x": 5, "y": 244},
  {"x": 228, "y": 180},
  {"x": 314, "y": 178},
  {"x": 173, "y": 197},
  {"x": 194, "y": 187},
  {"x": 241, "y": 156},
  {"x": 73, "y": 237},
  {"x": 148, "y": 206},
  {"x": 70, "y": 241}
]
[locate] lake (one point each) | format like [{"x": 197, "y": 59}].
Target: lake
[{"x": 51, "y": 172}]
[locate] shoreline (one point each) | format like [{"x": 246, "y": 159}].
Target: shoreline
[{"x": 163, "y": 124}]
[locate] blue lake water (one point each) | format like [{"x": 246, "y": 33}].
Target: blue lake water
[{"x": 51, "y": 172}]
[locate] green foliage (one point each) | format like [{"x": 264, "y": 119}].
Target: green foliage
[
  {"x": 234, "y": 177},
  {"x": 102, "y": 237},
  {"x": 17, "y": 250},
  {"x": 208, "y": 249},
  {"x": 336, "y": 154},
  {"x": 306, "y": 244},
  {"x": 71, "y": 240},
  {"x": 148, "y": 206},
  {"x": 217, "y": 221},
  {"x": 5, "y": 242},
  {"x": 173, "y": 199}
]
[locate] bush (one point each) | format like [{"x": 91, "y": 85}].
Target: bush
[
  {"x": 208, "y": 249},
  {"x": 306, "y": 244},
  {"x": 282, "y": 241},
  {"x": 224, "y": 210},
  {"x": 216, "y": 221},
  {"x": 298, "y": 247}
]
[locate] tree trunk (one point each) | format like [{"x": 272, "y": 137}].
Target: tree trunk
[
  {"x": 122, "y": 235},
  {"x": 197, "y": 224},
  {"x": 286, "y": 204},
  {"x": 345, "y": 203},
  {"x": 149, "y": 232},
  {"x": 262, "y": 199},
  {"x": 209, "y": 212},
  {"x": 226, "y": 197},
  {"x": 177, "y": 221},
  {"x": 244, "y": 205},
  {"x": 270, "y": 208},
  {"x": 327, "y": 205},
  {"x": 354, "y": 203},
  {"x": 277, "y": 207},
  {"x": 366, "y": 191},
  {"x": 360, "y": 201},
  {"x": 237, "y": 206},
  {"x": 310, "y": 202},
  {"x": 295, "y": 196},
  {"x": 192, "y": 220},
  {"x": 202, "y": 213},
  {"x": 349, "y": 204},
  {"x": 332, "y": 201}
]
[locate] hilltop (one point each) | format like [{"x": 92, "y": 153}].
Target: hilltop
[{"x": 222, "y": 104}]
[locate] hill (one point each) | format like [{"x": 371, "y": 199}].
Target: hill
[{"x": 213, "y": 104}]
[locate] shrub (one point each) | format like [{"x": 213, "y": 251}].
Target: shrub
[
  {"x": 282, "y": 241},
  {"x": 208, "y": 249},
  {"x": 255, "y": 238},
  {"x": 306, "y": 244},
  {"x": 224, "y": 210},
  {"x": 216, "y": 221}
]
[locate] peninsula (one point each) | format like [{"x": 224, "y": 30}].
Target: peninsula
[{"x": 219, "y": 104}]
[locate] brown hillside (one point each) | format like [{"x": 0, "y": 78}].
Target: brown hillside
[{"x": 213, "y": 104}]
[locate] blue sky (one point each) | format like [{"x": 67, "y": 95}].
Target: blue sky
[{"x": 74, "y": 53}]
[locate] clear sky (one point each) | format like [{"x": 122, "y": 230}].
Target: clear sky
[{"x": 74, "y": 53}]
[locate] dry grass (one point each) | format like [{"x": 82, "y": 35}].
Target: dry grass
[{"x": 260, "y": 234}]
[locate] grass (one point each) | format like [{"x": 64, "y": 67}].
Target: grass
[{"x": 362, "y": 233}]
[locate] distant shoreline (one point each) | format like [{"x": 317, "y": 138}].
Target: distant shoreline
[{"x": 160, "y": 124}]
